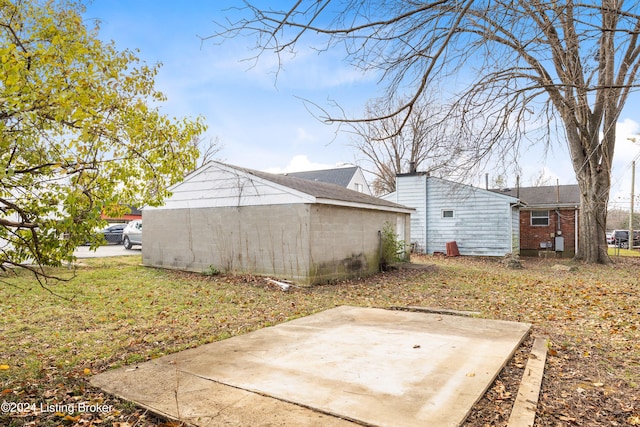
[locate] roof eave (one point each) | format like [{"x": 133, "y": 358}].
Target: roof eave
[
  {"x": 333, "y": 202},
  {"x": 553, "y": 206}
]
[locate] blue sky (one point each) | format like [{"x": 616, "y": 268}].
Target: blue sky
[{"x": 262, "y": 122}]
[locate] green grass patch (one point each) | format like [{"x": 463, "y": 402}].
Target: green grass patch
[
  {"x": 116, "y": 312},
  {"x": 615, "y": 252}
]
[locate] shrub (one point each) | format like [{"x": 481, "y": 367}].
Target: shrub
[
  {"x": 211, "y": 271},
  {"x": 392, "y": 250}
]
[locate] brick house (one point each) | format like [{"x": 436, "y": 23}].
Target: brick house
[{"x": 548, "y": 219}]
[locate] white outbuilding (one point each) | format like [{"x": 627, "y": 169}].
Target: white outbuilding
[
  {"x": 481, "y": 222},
  {"x": 234, "y": 219}
]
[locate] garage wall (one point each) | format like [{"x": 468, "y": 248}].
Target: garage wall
[
  {"x": 305, "y": 243},
  {"x": 271, "y": 240},
  {"x": 345, "y": 241}
]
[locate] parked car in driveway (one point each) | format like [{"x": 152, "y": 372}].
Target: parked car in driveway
[
  {"x": 610, "y": 239},
  {"x": 113, "y": 234},
  {"x": 621, "y": 238},
  {"x": 132, "y": 234}
]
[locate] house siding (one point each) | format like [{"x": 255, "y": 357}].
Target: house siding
[
  {"x": 533, "y": 235},
  {"x": 411, "y": 191},
  {"x": 481, "y": 224},
  {"x": 359, "y": 179},
  {"x": 515, "y": 229},
  {"x": 225, "y": 187}
]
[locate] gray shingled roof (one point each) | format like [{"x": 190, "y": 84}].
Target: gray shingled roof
[
  {"x": 337, "y": 176},
  {"x": 546, "y": 196},
  {"x": 322, "y": 190}
]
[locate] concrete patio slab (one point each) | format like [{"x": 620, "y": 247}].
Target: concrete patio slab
[{"x": 371, "y": 366}]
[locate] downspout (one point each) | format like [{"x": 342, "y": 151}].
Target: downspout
[
  {"x": 426, "y": 214},
  {"x": 510, "y": 216},
  {"x": 575, "y": 243},
  {"x": 380, "y": 266},
  {"x": 558, "y": 226}
]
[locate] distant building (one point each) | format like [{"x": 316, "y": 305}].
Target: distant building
[
  {"x": 134, "y": 213},
  {"x": 548, "y": 218},
  {"x": 350, "y": 177}
]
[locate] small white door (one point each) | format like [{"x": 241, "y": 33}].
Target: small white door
[{"x": 400, "y": 227}]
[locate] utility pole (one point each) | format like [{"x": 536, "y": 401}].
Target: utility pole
[{"x": 633, "y": 179}]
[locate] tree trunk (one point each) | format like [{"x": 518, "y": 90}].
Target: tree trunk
[
  {"x": 591, "y": 156},
  {"x": 592, "y": 219}
]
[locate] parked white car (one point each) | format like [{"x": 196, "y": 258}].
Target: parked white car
[{"x": 132, "y": 234}]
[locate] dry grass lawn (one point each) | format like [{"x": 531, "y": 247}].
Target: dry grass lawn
[{"x": 115, "y": 312}]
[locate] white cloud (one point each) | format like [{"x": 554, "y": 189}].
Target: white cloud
[
  {"x": 304, "y": 136},
  {"x": 300, "y": 163},
  {"x": 305, "y": 70},
  {"x": 626, "y": 148}
]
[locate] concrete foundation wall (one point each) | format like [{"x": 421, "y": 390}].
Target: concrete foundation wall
[{"x": 305, "y": 243}]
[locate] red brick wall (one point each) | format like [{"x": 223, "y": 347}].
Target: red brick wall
[{"x": 532, "y": 235}]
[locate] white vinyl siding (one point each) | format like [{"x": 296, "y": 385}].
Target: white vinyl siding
[
  {"x": 220, "y": 186},
  {"x": 359, "y": 183},
  {"x": 411, "y": 192},
  {"x": 481, "y": 222},
  {"x": 515, "y": 230}
]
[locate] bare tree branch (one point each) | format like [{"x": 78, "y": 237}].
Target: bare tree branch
[{"x": 525, "y": 69}]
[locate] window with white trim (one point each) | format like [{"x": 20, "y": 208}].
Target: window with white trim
[
  {"x": 447, "y": 213},
  {"x": 540, "y": 218}
]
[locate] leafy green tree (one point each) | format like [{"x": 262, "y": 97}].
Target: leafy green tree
[{"x": 81, "y": 132}]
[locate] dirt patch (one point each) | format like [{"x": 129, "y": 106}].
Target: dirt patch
[{"x": 495, "y": 407}]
